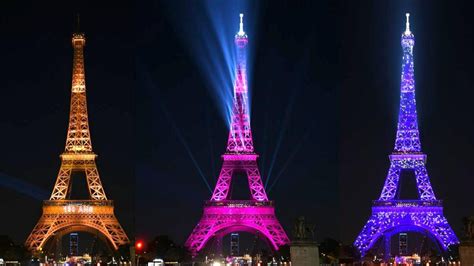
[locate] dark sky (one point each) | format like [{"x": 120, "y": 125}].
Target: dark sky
[
  {"x": 36, "y": 62},
  {"x": 325, "y": 93}
]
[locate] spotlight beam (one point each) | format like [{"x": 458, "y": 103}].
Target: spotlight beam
[
  {"x": 23, "y": 187},
  {"x": 289, "y": 160},
  {"x": 265, "y": 139},
  {"x": 210, "y": 143},
  {"x": 205, "y": 34},
  {"x": 185, "y": 145},
  {"x": 285, "y": 122},
  {"x": 175, "y": 128}
]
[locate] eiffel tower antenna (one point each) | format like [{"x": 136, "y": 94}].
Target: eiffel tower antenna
[
  {"x": 241, "y": 29},
  {"x": 78, "y": 23},
  {"x": 407, "y": 29},
  {"x": 391, "y": 215},
  {"x": 221, "y": 213},
  {"x": 60, "y": 214}
]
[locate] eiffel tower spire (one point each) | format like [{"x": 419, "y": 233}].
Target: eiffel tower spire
[
  {"x": 78, "y": 136},
  {"x": 240, "y": 142},
  {"x": 407, "y": 25},
  {"x": 407, "y": 142},
  {"x": 408, "y": 135},
  {"x": 78, "y": 154},
  {"x": 240, "y": 134}
]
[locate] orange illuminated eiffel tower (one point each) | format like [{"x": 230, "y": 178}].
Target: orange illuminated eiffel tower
[{"x": 61, "y": 215}]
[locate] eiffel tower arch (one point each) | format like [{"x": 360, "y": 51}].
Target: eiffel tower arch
[
  {"x": 60, "y": 213},
  {"x": 390, "y": 214},
  {"x": 58, "y": 236},
  {"x": 223, "y": 215}
]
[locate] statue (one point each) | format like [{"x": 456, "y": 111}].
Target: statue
[
  {"x": 302, "y": 231},
  {"x": 468, "y": 227},
  {"x": 466, "y": 247},
  {"x": 304, "y": 250}
]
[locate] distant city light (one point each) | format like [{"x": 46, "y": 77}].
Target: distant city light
[{"x": 139, "y": 245}]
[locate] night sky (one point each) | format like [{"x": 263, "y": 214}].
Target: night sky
[{"x": 325, "y": 94}]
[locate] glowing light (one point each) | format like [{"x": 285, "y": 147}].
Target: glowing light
[
  {"x": 407, "y": 30},
  {"x": 78, "y": 209},
  {"x": 241, "y": 29},
  {"x": 389, "y": 214},
  {"x": 139, "y": 245}
]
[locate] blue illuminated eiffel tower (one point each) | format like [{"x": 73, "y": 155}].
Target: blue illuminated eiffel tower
[{"x": 390, "y": 215}]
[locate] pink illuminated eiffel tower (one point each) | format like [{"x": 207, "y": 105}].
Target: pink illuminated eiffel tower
[{"x": 221, "y": 214}]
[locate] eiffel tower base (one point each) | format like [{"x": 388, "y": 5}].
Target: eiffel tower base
[
  {"x": 224, "y": 217},
  {"x": 304, "y": 253},
  {"x": 396, "y": 216},
  {"x": 65, "y": 216}
]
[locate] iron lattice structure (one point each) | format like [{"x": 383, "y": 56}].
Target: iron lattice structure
[
  {"x": 390, "y": 215},
  {"x": 223, "y": 215},
  {"x": 60, "y": 214}
]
